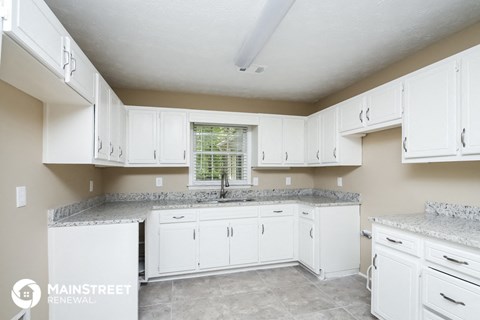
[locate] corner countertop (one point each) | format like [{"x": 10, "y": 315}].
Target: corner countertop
[
  {"x": 454, "y": 229},
  {"x": 136, "y": 211}
]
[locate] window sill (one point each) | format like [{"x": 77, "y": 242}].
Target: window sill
[{"x": 217, "y": 187}]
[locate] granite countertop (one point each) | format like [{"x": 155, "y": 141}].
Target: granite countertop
[
  {"x": 136, "y": 211},
  {"x": 444, "y": 227}
]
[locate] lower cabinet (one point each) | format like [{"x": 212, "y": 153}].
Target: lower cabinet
[
  {"x": 177, "y": 247},
  {"x": 88, "y": 256},
  {"x": 276, "y": 239},
  {"x": 306, "y": 243}
]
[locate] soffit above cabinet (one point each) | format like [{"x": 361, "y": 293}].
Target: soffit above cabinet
[{"x": 319, "y": 47}]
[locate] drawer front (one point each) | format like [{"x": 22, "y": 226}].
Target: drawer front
[
  {"x": 465, "y": 261},
  {"x": 277, "y": 210},
  {"x": 428, "y": 315},
  {"x": 306, "y": 212},
  {"x": 398, "y": 240},
  {"x": 176, "y": 216},
  {"x": 451, "y": 297},
  {"x": 228, "y": 213}
]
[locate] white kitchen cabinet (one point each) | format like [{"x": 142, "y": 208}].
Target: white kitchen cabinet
[
  {"x": 173, "y": 138},
  {"x": 306, "y": 242},
  {"x": 313, "y": 139},
  {"x": 395, "y": 291},
  {"x": 95, "y": 255},
  {"x": 281, "y": 141},
  {"x": 102, "y": 119},
  {"x": 470, "y": 111},
  {"x": 329, "y": 135},
  {"x": 214, "y": 244},
  {"x": 243, "y": 241},
  {"x": 33, "y": 25},
  {"x": 142, "y": 136},
  {"x": 177, "y": 247},
  {"x": 377, "y": 109},
  {"x": 276, "y": 239},
  {"x": 431, "y": 96},
  {"x": 117, "y": 126},
  {"x": 80, "y": 73}
]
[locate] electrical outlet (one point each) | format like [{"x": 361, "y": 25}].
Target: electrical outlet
[
  {"x": 288, "y": 181},
  {"x": 340, "y": 182},
  {"x": 21, "y": 196},
  {"x": 91, "y": 186},
  {"x": 159, "y": 182},
  {"x": 255, "y": 181}
]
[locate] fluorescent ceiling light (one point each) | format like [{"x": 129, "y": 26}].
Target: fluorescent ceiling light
[{"x": 272, "y": 14}]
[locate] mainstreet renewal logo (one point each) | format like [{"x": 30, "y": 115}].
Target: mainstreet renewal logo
[{"x": 26, "y": 293}]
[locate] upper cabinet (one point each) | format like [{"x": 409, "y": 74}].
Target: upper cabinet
[
  {"x": 312, "y": 139},
  {"x": 281, "y": 141},
  {"x": 442, "y": 111},
  {"x": 157, "y": 137},
  {"x": 377, "y": 109}
]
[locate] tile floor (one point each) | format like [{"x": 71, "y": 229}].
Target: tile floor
[{"x": 290, "y": 293}]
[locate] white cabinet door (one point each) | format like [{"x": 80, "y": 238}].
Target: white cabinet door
[
  {"x": 429, "y": 127},
  {"x": 173, "y": 137},
  {"x": 142, "y": 136},
  {"x": 276, "y": 239},
  {"x": 384, "y": 103},
  {"x": 177, "y": 247},
  {"x": 95, "y": 255},
  {"x": 79, "y": 72},
  {"x": 470, "y": 132},
  {"x": 329, "y": 135},
  {"x": 214, "y": 248},
  {"x": 395, "y": 285},
  {"x": 306, "y": 243},
  {"x": 35, "y": 27},
  {"x": 294, "y": 140},
  {"x": 243, "y": 241},
  {"x": 115, "y": 109},
  {"x": 122, "y": 132},
  {"x": 102, "y": 119},
  {"x": 351, "y": 114},
  {"x": 271, "y": 140},
  {"x": 313, "y": 139}
]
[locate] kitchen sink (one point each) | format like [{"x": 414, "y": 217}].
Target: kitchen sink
[{"x": 226, "y": 200}]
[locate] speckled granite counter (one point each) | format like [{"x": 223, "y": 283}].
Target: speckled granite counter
[
  {"x": 458, "y": 224},
  {"x": 136, "y": 211}
]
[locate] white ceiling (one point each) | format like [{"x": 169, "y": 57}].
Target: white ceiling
[{"x": 319, "y": 48}]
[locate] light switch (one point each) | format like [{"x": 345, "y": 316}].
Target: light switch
[
  {"x": 159, "y": 182},
  {"x": 21, "y": 196},
  {"x": 288, "y": 181},
  {"x": 255, "y": 181},
  {"x": 340, "y": 181},
  {"x": 91, "y": 186}
]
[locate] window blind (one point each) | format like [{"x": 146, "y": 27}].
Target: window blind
[{"x": 219, "y": 149}]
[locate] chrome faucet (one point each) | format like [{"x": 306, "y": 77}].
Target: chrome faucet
[{"x": 223, "y": 184}]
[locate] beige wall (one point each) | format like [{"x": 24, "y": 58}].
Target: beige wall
[
  {"x": 210, "y": 102},
  {"x": 143, "y": 179},
  {"x": 23, "y": 231},
  {"x": 386, "y": 185}
]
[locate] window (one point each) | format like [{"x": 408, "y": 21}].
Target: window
[{"x": 219, "y": 149}]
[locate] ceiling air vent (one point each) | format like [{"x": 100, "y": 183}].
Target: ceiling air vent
[{"x": 254, "y": 69}]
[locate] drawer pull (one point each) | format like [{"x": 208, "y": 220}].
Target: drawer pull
[
  {"x": 178, "y": 217},
  {"x": 305, "y": 213},
  {"x": 278, "y": 211},
  {"x": 452, "y": 300},
  {"x": 394, "y": 241},
  {"x": 455, "y": 260}
]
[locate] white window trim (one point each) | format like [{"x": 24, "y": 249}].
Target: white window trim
[{"x": 216, "y": 184}]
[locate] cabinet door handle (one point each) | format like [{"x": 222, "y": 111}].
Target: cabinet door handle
[
  {"x": 193, "y": 234},
  {"x": 455, "y": 260},
  {"x": 318, "y": 154},
  {"x": 155, "y": 154},
  {"x": 178, "y": 217},
  {"x": 375, "y": 261},
  {"x": 263, "y": 228},
  {"x": 277, "y": 211},
  {"x": 305, "y": 213},
  {"x": 394, "y": 241},
  {"x": 335, "y": 153},
  {"x": 184, "y": 154},
  {"x": 311, "y": 230},
  {"x": 100, "y": 144},
  {"x": 74, "y": 65},
  {"x": 452, "y": 300},
  {"x": 121, "y": 151},
  {"x": 263, "y": 155},
  {"x": 286, "y": 156},
  {"x": 462, "y": 136},
  {"x": 231, "y": 231},
  {"x": 228, "y": 233},
  {"x": 405, "y": 144},
  {"x": 367, "y": 114},
  {"x": 112, "y": 149},
  {"x": 360, "y": 116}
]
